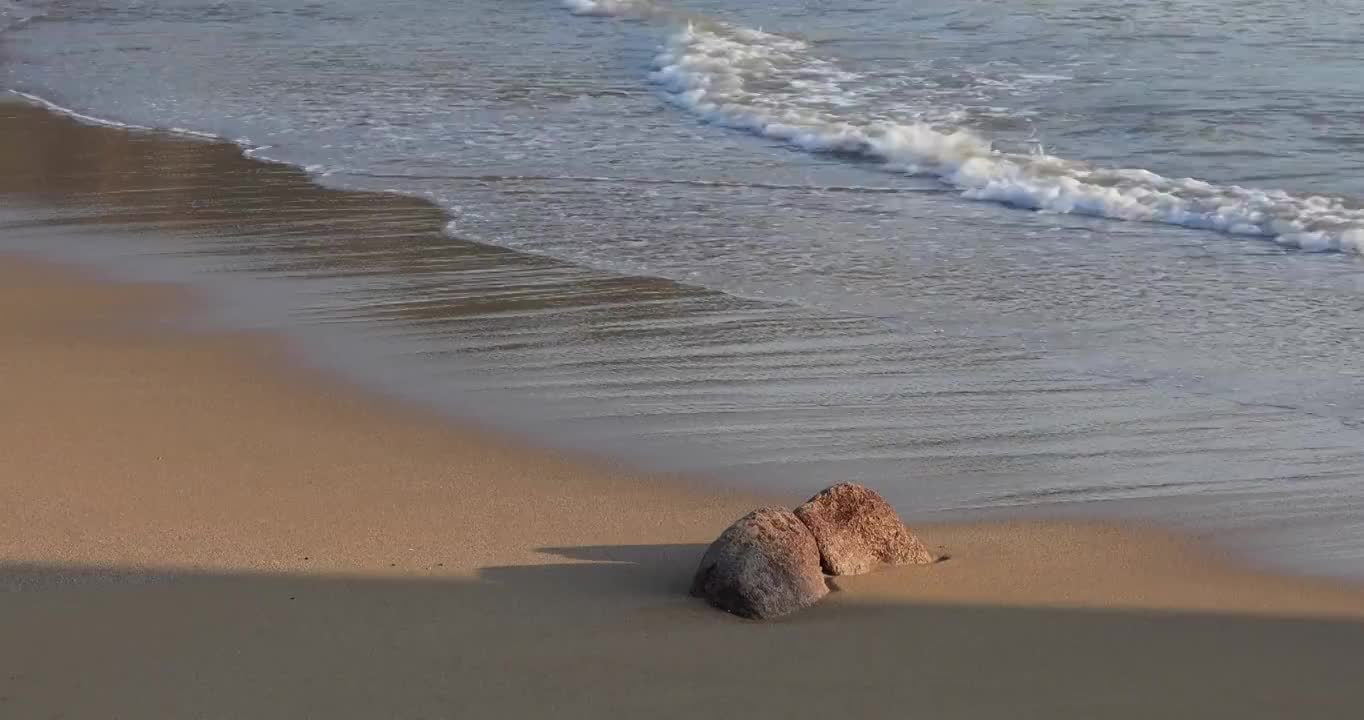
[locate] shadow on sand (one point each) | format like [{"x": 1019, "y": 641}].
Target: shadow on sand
[{"x": 611, "y": 633}]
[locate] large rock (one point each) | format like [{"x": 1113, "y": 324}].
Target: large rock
[
  {"x": 763, "y": 566},
  {"x": 857, "y": 530}
]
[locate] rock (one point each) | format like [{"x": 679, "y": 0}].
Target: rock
[
  {"x": 763, "y": 566},
  {"x": 857, "y": 530}
]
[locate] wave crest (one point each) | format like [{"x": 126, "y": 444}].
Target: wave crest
[
  {"x": 777, "y": 87},
  {"x": 604, "y": 8}
]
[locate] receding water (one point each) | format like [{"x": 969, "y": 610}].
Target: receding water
[{"x": 977, "y": 254}]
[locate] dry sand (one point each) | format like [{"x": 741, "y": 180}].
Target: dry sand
[{"x": 190, "y": 529}]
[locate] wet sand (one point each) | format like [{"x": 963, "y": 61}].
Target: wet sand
[
  {"x": 776, "y": 396},
  {"x": 192, "y": 527}
]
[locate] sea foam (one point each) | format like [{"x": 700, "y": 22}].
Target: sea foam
[
  {"x": 602, "y": 8},
  {"x": 779, "y": 87}
]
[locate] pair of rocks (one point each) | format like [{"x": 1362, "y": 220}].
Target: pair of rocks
[{"x": 773, "y": 561}]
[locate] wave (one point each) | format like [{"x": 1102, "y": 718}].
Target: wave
[
  {"x": 779, "y": 87},
  {"x": 606, "y": 8},
  {"x": 246, "y": 145},
  {"x": 105, "y": 122},
  {"x": 629, "y": 180}
]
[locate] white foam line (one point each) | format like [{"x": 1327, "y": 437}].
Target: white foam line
[
  {"x": 600, "y": 8},
  {"x": 778, "y": 88},
  {"x": 618, "y": 8},
  {"x": 81, "y": 117},
  {"x": 106, "y": 122},
  {"x": 627, "y": 179},
  {"x": 249, "y": 149}
]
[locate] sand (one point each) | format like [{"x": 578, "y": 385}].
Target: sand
[{"x": 191, "y": 527}]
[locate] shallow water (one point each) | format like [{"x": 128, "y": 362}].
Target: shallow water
[{"x": 976, "y": 254}]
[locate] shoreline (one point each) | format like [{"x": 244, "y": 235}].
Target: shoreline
[
  {"x": 476, "y": 309},
  {"x": 286, "y": 360},
  {"x": 136, "y": 318},
  {"x": 195, "y": 526},
  {"x": 192, "y": 524}
]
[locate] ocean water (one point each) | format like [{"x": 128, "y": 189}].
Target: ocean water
[{"x": 1058, "y": 255}]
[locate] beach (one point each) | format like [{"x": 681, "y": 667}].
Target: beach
[
  {"x": 986, "y": 259},
  {"x": 196, "y": 525}
]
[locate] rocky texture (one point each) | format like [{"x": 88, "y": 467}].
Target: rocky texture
[
  {"x": 857, "y": 530},
  {"x": 763, "y": 566}
]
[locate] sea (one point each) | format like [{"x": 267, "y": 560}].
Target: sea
[{"x": 1012, "y": 257}]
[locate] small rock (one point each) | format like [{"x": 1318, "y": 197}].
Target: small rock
[
  {"x": 763, "y": 566},
  {"x": 857, "y": 530}
]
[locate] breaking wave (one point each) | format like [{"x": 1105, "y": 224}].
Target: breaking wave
[
  {"x": 779, "y": 87},
  {"x": 606, "y": 8}
]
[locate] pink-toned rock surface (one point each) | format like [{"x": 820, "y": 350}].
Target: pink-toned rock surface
[{"x": 857, "y": 531}]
